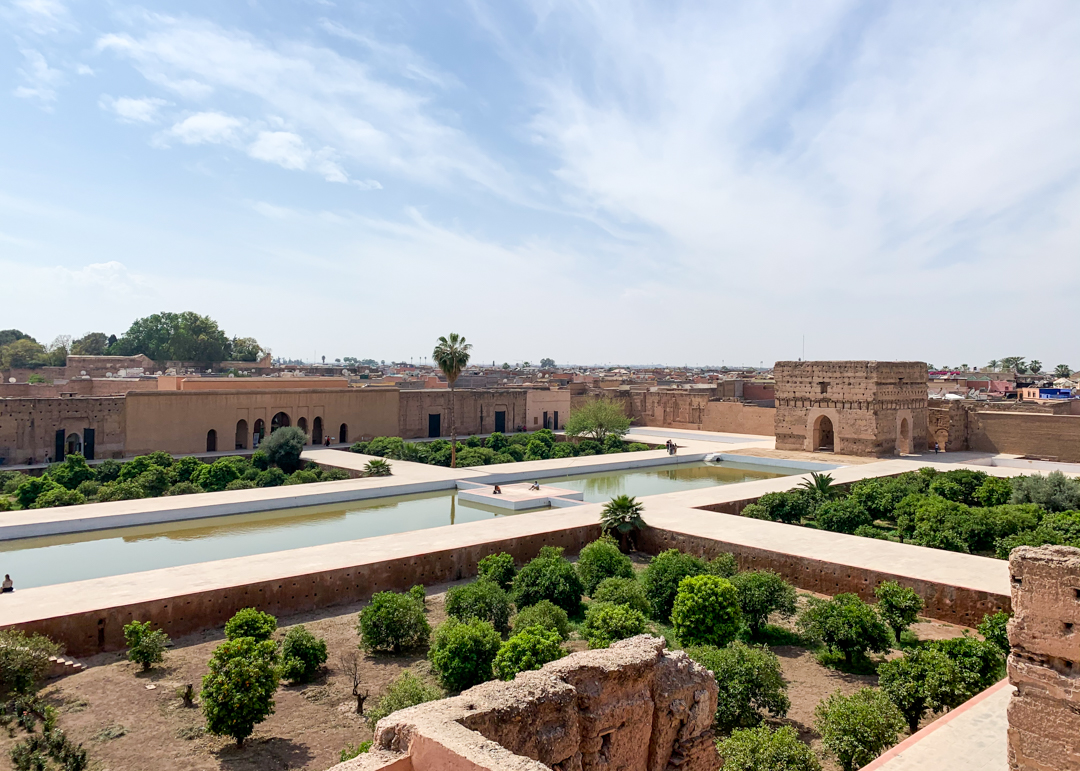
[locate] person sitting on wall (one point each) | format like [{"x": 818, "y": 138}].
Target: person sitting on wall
[
  {"x": 8, "y": 585},
  {"x": 497, "y": 490},
  {"x": 534, "y": 486}
]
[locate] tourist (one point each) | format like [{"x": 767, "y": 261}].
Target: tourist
[
  {"x": 674, "y": 448},
  {"x": 497, "y": 490},
  {"x": 937, "y": 448},
  {"x": 534, "y": 486},
  {"x": 7, "y": 586},
  {"x": 327, "y": 441}
]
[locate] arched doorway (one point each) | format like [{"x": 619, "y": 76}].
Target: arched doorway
[
  {"x": 824, "y": 440},
  {"x": 259, "y": 433},
  {"x": 942, "y": 439},
  {"x": 904, "y": 445},
  {"x": 343, "y": 434},
  {"x": 279, "y": 421},
  {"x": 316, "y": 431},
  {"x": 73, "y": 444},
  {"x": 301, "y": 423},
  {"x": 241, "y": 435},
  {"x": 211, "y": 440}
]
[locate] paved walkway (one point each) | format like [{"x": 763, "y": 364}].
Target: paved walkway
[{"x": 972, "y": 737}]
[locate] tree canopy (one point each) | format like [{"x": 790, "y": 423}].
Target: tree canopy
[
  {"x": 183, "y": 336},
  {"x": 596, "y": 419}
]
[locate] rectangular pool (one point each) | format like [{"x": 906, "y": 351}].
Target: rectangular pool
[{"x": 79, "y": 556}]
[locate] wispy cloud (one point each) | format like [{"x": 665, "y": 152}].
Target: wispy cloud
[
  {"x": 204, "y": 128},
  {"x": 41, "y": 16},
  {"x": 39, "y": 79},
  {"x": 131, "y": 110}
]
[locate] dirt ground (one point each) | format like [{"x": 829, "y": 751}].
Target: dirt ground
[
  {"x": 134, "y": 721},
  {"x": 819, "y": 457}
]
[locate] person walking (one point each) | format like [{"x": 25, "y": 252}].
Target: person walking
[{"x": 937, "y": 448}]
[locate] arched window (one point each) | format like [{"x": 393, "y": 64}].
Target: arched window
[
  {"x": 241, "y": 435},
  {"x": 301, "y": 423},
  {"x": 279, "y": 421},
  {"x": 211, "y": 440},
  {"x": 343, "y": 434},
  {"x": 316, "y": 431}
]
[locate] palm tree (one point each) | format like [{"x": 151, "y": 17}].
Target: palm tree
[
  {"x": 452, "y": 355},
  {"x": 1063, "y": 370},
  {"x": 377, "y": 468},
  {"x": 821, "y": 485},
  {"x": 992, "y": 365},
  {"x": 622, "y": 514},
  {"x": 1035, "y": 367}
]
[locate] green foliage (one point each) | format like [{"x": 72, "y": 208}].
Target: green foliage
[
  {"x": 529, "y": 649},
  {"x": 549, "y": 577},
  {"x": 762, "y": 593},
  {"x": 504, "y": 457},
  {"x": 750, "y": 680},
  {"x": 283, "y": 447},
  {"x": 922, "y": 680},
  {"x": 545, "y": 614},
  {"x": 846, "y": 624},
  {"x": 155, "y": 481},
  {"x": 858, "y": 728},
  {"x": 791, "y": 507},
  {"x": 146, "y": 646},
  {"x": 536, "y": 450},
  {"x": 622, "y": 516},
  {"x": 350, "y": 751},
  {"x": 879, "y": 497},
  {"x": 89, "y": 488},
  {"x": 215, "y": 476},
  {"x": 107, "y": 471},
  {"x": 959, "y": 485},
  {"x": 599, "y": 560},
  {"x": 613, "y": 443},
  {"x": 662, "y": 576},
  {"x": 377, "y": 468},
  {"x": 10, "y": 481},
  {"x": 271, "y": 477},
  {"x": 766, "y": 749},
  {"x": 622, "y": 591},
  {"x": 1054, "y": 492},
  {"x": 418, "y": 593},
  {"x": 462, "y": 653},
  {"x": 637, "y": 447},
  {"x": 589, "y": 447},
  {"x": 821, "y": 485},
  {"x": 250, "y": 622},
  {"x": 385, "y": 447},
  {"x": 58, "y": 496},
  {"x": 183, "y": 488},
  {"x": 302, "y": 653},
  {"x": 393, "y": 622},
  {"x": 496, "y": 441},
  {"x": 981, "y": 664},
  {"x": 596, "y": 419},
  {"x": 994, "y": 491},
  {"x": 724, "y": 565},
  {"x": 407, "y": 690},
  {"x": 24, "y": 660},
  {"x": 563, "y": 450},
  {"x": 184, "y": 469},
  {"x": 898, "y": 606},
  {"x": 31, "y": 488},
  {"x": 72, "y": 472},
  {"x": 482, "y": 599},
  {"x": 605, "y": 623},
  {"x": 238, "y": 691},
  {"x": 498, "y": 568},
  {"x": 994, "y": 628},
  {"x": 302, "y": 477},
  {"x": 120, "y": 491},
  {"x": 183, "y": 337},
  {"x": 706, "y": 611},
  {"x": 842, "y": 516}
]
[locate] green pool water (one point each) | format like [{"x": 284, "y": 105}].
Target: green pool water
[{"x": 78, "y": 556}]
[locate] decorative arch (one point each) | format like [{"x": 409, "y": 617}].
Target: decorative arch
[
  {"x": 211, "y": 440},
  {"x": 259, "y": 433},
  {"x": 301, "y": 423},
  {"x": 316, "y": 430},
  {"x": 281, "y": 420},
  {"x": 241, "y": 434},
  {"x": 343, "y": 434},
  {"x": 824, "y": 434},
  {"x": 72, "y": 443}
]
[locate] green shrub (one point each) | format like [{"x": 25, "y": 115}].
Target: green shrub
[
  {"x": 360, "y": 448},
  {"x": 605, "y": 623},
  {"x": 858, "y": 728},
  {"x": 474, "y": 457},
  {"x": 462, "y": 653},
  {"x": 407, "y": 690},
  {"x": 529, "y": 649},
  {"x": 89, "y": 488},
  {"x": 762, "y": 593},
  {"x": 376, "y": 468},
  {"x": 120, "y": 491},
  {"x": 350, "y": 751},
  {"x": 622, "y": 591},
  {"x": 637, "y": 447},
  {"x": 871, "y": 531},
  {"x": 107, "y": 471},
  {"x": 301, "y": 477},
  {"x": 385, "y": 447},
  {"x": 183, "y": 488},
  {"x": 418, "y": 593},
  {"x": 271, "y": 477},
  {"x": 599, "y": 560},
  {"x": 302, "y": 653},
  {"x": 994, "y": 629},
  {"x": 333, "y": 475},
  {"x": 131, "y": 469},
  {"x": 724, "y": 565},
  {"x": 515, "y": 451},
  {"x": 497, "y": 441},
  {"x": 216, "y": 476},
  {"x": 750, "y": 681},
  {"x": 846, "y": 624},
  {"x": 589, "y": 447},
  {"x": 260, "y": 460},
  {"x": 621, "y": 518},
  {"x": 922, "y": 680},
  {"x": 184, "y": 469},
  {"x": 791, "y": 507},
  {"x": 481, "y": 599},
  {"x": 5, "y": 503},
  {"x": 562, "y": 450},
  {"x": 155, "y": 481},
  {"x": 898, "y": 605},
  {"x": 393, "y": 622},
  {"x": 72, "y": 472},
  {"x": 549, "y": 577},
  {"x": 879, "y": 497},
  {"x": 31, "y": 488},
  {"x": 238, "y": 691},
  {"x": 283, "y": 447},
  {"x": 24, "y": 660},
  {"x": 981, "y": 664},
  {"x": 766, "y": 749},
  {"x": 842, "y": 516},
  {"x": 146, "y": 646},
  {"x": 662, "y": 576},
  {"x": 536, "y": 450},
  {"x": 545, "y": 614},
  {"x": 250, "y": 622},
  {"x": 958, "y": 485},
  {"x": 1054, "y": 492},
  {"x": 240, "y": 484},
  {"x": 498, "y": 568},
  {"x": 706, "y": 611},
  {"x": 502, "y": 457},
  {"x": 474, "y": 441},
  {"x": 58, "y": 496},
  {"x": 994, "y": 491}
]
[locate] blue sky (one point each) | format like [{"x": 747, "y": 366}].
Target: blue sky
[{"x": 590, "y": 181}]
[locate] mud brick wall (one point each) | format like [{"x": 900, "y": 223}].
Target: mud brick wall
[
  {"x": 953, "y": 604},
  {"x": 634, "y": 705},
  {"x": 1055, "y": 437},
  {"x": 1044, "y": 633},
  {"x": 865, "y": 400},
  {"x": 28, "y": 426},
  {"x": 696, "y": 411}
]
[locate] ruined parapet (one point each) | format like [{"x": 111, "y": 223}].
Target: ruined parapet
[
  {"x": 1044, "y": 713},
  {"x": 633, "y": 706}
]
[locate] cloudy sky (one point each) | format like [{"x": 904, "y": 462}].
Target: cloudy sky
[{"x": 594, "y": 181}]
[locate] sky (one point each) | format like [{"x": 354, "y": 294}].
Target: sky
[{"x": 593, "y": 181}]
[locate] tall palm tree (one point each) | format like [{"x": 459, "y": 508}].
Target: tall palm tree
[
  {"x": 1063, "y": 370},
  {"x": 1035, "y": 366},
  {"x": 452, "y": 355},
  {"x": 993, "y": 365}
]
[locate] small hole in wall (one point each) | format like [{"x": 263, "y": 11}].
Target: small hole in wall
[
  {"x": 1017, "y": 581},
  {"x": 1068, "y": 628}
]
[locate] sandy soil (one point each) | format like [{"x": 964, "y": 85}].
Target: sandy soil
[
  {"x": 819, "y": 457},
  {"x": 134, "y": 721}
]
